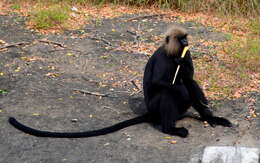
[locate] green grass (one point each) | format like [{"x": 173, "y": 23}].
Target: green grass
[
  {"x": 3, "y": 91},
  {"x": 225, "y": 7},
  {"x": 230, "y": 7},
  {"x": 52, "y": 1},
  {"x": 255, "y": 25},
  {"x": 247, "y": 52},
  {"x": 241, "y": 60},
  {"x": 55, "y": 15},
  {"x": 15, "y": 6},
  {"x": 248, "y": 56}
]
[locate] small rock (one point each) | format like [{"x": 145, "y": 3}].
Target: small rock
[
  {"x": 74, "y": 120},
  {"x": 173, "y": 142},
  {"x": 258, "y": 122},
  {"x": 229, "y": 154},
  {"x": 74, "y": 9},
  {"x": 73, "y": 15}
]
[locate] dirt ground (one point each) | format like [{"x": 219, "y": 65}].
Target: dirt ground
[{"x": 40, "y": 78}]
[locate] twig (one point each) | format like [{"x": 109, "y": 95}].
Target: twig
[
  {"x": 104, "y": 95},
  {"x": 131, "y": 32},
  {"x": 53, "y": 42},
  {"x": 135, "y": 85},
  {"x": 133, "y": 78},
  {"x": 138, "y": 41},
  {"x": 58, "y": 44},
  {"x": 136, "y": 92},
  {"x": 90, "y": 80},
  {"x": 100, "y": 39},
  {"x": 107, "y": 107},
  {"x": 94, "y": 93},
  {"x": 69, "y": 49},
  {"x": 122, "y": 92},
  {"x": 145, "y": 16},
  {"x": 14, "y": 44},
  {"x": 91, "y": 93},
  {"x": 135, "y": 35}
]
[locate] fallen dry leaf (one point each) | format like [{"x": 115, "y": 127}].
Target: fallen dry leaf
[
  {"x": 2, "y": 42},
  {"x": 173, "y": 142},
  {"x": 17, "y": 69},
  {"x": 51, "y": 74},
  {"x": 167, "y": 137},
  {"x": 70, "y": 54},
  {"x": 31, "y": 59}
]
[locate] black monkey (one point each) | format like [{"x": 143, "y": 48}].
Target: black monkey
[{"x": 165, "y": 102}]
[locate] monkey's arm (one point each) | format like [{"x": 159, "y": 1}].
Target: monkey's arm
[
  {"x": 199, "y": 101},
  {"x": 159, "y": 76}
]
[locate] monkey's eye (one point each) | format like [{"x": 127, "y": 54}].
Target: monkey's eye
[
  {"x": 167, "y": 39},
  {"x": 182, "y": 37},
  {"x": 183, "y": 41}
]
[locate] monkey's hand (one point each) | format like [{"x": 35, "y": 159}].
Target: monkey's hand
[
  {"x": 179, "y": 61},
  {"x": 213, "y": 121}
]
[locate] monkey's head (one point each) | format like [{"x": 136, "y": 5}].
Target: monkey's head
[{"x": 175, "y": 41}]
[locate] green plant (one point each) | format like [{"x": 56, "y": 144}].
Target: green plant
[
  {"x": 228, "y": 36},
  {"x": 244, "y": 56},
  {"x": 237, "y": 7},
  {"x": 3, "y": 91},
  {"x": 98, "y": 22},
  {"x": 230, "y": 7},
  {"x": 248, "y": 55},
  {"x": 255, "y": 25},
  {"x": 15, "y": 6},
  {"x": 50, "y": 17}
]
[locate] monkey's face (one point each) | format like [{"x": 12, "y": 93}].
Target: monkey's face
[
  {"x": 183, "y": 40},
  {"x": 175, "y": 41}
]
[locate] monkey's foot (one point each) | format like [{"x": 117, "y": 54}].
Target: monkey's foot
[
  {"x": 219, "y": 121},
  {"x": 182, "y": 132}
]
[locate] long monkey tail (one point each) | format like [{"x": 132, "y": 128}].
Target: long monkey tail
[{"x": 103, "y": 131}]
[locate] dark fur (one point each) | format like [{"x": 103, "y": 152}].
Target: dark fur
[
  {"x": 103, "y": 131},
  {"x": 166, "y": 103}
]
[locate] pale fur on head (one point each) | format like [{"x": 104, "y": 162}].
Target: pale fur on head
[{"x": 173, "y": 47}]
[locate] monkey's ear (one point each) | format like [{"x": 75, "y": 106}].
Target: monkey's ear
[{"x": 167, "y": 39}]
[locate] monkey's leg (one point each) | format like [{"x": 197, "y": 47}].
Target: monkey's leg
[
  {"x": 184, "y": 100},
  {"x": 169, "y": 115},
  {"x": 198, "y": 99}
]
